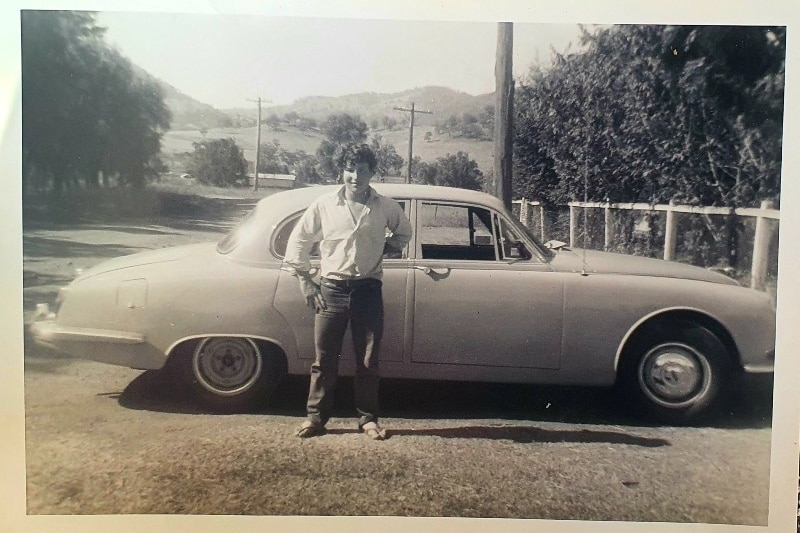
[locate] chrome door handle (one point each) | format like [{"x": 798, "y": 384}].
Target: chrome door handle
[{"x": 432, "y": 272}]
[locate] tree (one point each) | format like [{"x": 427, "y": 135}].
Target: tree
[
  {"x": 389, "y": 161},
  {"x": 86, "y": 111},
  {"x": 273, "y": 121},
  {"x": 389, "y": 122},
  {"x": 272, "y": 159},
  {"x": 305, "y": 168},
  {"x": 218, "y": 162},
  {"x": 291, "y": 117},
  {"x": 452, "y": 170},
  {"x": 340, "y": 130},
  {"x": 423, "y": 172},
  {"x": 458, "y": 171},
  {"x": 654, "y": 113}
]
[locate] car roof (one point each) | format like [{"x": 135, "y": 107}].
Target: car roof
[{"x": 297, "y": 199}]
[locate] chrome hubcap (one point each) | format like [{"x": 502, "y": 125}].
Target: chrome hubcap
[
  {"x": 227, "y": 365},
  {"x": 674, "y": 375}
]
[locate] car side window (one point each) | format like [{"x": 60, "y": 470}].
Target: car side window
[
  {"x": 512, "y": 245},
  {"x": 281, "y": 237},
  {"x": 391, "y": 253},
  {"x": 449, "y": 231}
]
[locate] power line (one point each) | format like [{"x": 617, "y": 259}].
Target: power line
[
  {"x": 258, "y": 141},
  {"x": 413, "y": 111}
]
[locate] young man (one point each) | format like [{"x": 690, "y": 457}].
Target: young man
[{"x": 350, "y": 226}]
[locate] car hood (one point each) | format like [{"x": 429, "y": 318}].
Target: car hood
[
  {"x": 164, "y": 255},
  {"x": 572, "y": 260}
]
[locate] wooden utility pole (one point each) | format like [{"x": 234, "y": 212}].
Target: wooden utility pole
[
  {"x": 411, "y": 135},
  {"x": 258, "y": 143},
  {"x": 503, "y": 112}
]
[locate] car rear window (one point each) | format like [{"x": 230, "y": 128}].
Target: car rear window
[{"x": 230, "y": 241}]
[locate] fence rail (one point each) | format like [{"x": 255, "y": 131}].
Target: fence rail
[{"x": 765, "y": 217}]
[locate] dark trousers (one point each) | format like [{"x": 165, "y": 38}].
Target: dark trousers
[{"x": 359, "y": 304}]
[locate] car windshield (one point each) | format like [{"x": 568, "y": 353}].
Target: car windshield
[{"x": 240, "y": 232}]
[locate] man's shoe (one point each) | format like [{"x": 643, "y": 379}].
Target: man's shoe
[
  {"x": 373, "y": 431},
  {"x": 310, "y": 429}
]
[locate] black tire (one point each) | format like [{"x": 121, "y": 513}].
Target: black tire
[
  {"x": 676, "y": 372},
  {"x": 229, "y": 374}
]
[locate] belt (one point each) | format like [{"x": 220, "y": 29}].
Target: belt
[{"x": 350, "y": 283}]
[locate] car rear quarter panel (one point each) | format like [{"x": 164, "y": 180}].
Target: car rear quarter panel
[
  {"x": 603, "y": 310},
  {"x": 206, "y": 295}
]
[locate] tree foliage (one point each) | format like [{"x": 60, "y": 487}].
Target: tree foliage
[
  {"x": 452, "y": 170},
  {"x": 274, "y": 159},
  {"x": 218, "y": 162},
  {"x": 340, "y": 130},
  {"x": 654, "y": 113},
  {"x": 479, "y": 127},
  {"x": 86, "y": 112},
  {"x": 390, "y": 163}
]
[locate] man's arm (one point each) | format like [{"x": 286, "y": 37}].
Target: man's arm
[
  {"x": 297, "y": 260},
  {"x": 298, "y": 249},
  {"x": 400, "y": 227}
]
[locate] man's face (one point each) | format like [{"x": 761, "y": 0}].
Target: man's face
[{"x": 356, "y": 177}]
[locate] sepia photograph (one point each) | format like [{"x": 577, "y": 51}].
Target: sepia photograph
[{"x": 357, "y": 265}]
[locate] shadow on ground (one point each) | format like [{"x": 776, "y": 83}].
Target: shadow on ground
[
  {"x": 522, "y": 435},
  {"x": 158, "y": 391}
]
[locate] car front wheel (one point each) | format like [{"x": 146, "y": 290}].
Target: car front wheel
[
  {"x": 677, "y": 372},
  {"x": 230, "y": 374}
]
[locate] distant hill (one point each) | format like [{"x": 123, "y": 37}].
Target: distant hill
[
  {"x": 442, "y": 101},
  {"x": 194, "y": 121},
  {"x": 187, "y": 113}
]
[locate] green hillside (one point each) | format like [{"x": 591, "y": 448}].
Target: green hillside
[
  {"x": 293, "y": 139},
  {"x": 441, "y": 101},
  {"x": 194, "y": 121}
]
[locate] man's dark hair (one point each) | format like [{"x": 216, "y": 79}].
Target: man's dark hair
[{"x": 359, "y": 153}]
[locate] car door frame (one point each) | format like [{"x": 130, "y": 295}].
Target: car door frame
[{"x": 537, "y": 263}]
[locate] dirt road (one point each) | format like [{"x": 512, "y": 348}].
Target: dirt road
[{"x": 107, "y": 440}]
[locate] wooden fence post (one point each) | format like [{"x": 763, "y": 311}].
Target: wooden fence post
[
  {"x": 609, "y": 234},
  {"x": 671, "y": 233},
  {"x": 731, "y": 239},
  {"x": 541, "y": 222},
  {"x": 573, "y": 226},
  {"x": 523, "y": 212},
  {"x": 758, "y": 274}
]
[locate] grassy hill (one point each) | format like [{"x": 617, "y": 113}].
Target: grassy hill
[
  {"x": 194, "y": 121},
  {"x": 441, "y": 101},
  {"x": 176, "y": 143}
]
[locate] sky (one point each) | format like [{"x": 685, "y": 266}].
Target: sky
[{"x": 227, "y": 59}]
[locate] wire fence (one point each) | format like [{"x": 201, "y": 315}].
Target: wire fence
[{"x": 742, "y": 242}]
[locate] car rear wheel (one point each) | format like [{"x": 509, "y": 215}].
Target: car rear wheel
[
  {"x": 677, "y": 372},
  {"x": 230, "y": 374}
]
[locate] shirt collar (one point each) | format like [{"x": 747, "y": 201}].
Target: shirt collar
[{"x": 340, "y": 197}]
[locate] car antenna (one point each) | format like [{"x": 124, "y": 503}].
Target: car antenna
[{"x": 585, "y": 213}]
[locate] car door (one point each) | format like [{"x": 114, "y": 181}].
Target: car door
[
  {"x": 481, "y": 298},
  {"x": 290, "y": 303}
]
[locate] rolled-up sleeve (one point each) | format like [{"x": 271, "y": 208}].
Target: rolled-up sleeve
[{"x": 306, "y": 232}]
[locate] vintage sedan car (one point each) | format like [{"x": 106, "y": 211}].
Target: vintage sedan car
[{"x": 474, "y": 296}]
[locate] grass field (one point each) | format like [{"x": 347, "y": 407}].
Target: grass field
[{"x": 294, "y": 139}]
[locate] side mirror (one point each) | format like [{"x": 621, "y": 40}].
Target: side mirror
[{"x": 555, "y": 245}]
